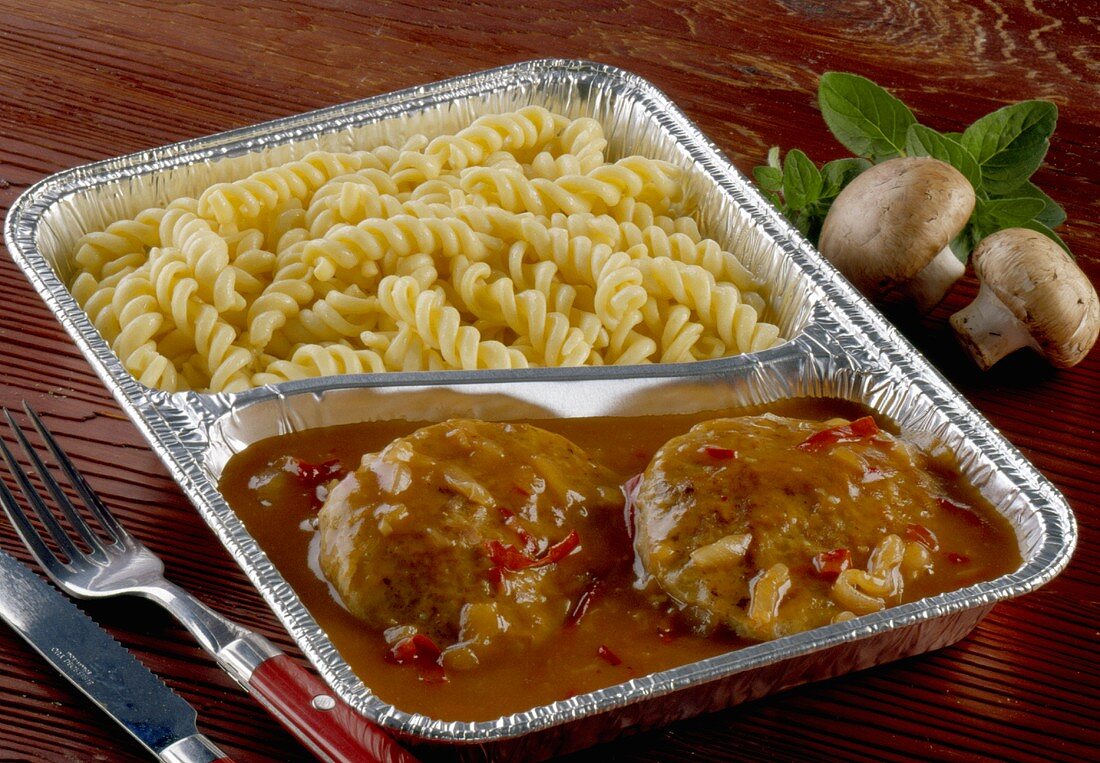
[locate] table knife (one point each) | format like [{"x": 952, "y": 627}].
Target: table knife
[{"x": 101, "y": 668}]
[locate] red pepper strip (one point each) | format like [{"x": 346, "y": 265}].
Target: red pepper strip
[
  {"x": 829, "y": 564},
  {"x": 416, "y": 649},
  {"x": 608, "y": 656},
  {"x": 852, "y": 432},
  {"x": 590, "y": 594},
  {"x": 720, "y": 454},
  {"x": 512, "y": 559},
  {"x": 561, "y": 549},
  {"x": 922, "y": 535},
  {"x": 420, "y": 651},
  {"x": 958, "y": 558},
  {"x": 505, "y": 557}
]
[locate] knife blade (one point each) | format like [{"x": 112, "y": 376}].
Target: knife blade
[{"x": 101, "y": 668}]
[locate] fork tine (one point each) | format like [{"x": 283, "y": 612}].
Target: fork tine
[
  {"x": 27, "y": 531},
  {"x": 91, "y": 499},
  {"x": 52, "y": 485},
  {"x": 48, "y": 520}
]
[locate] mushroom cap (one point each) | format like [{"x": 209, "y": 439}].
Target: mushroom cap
[
  {"x": 1043, "y": 287},
  {"x": 893, "y": 219}
]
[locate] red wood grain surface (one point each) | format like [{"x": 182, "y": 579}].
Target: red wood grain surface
[{"x": 81, "y": 81}]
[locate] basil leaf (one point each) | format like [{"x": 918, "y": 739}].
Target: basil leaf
[
  {"x": 802, "y": 220},
  {"x": 1006, "y": 213},
  {"x": 1052, "y": 215},
  {"x": 801, "y": 180},
  {"x": 1010, "y": 143},
  {"x": 1035, "y": 225},
  {"x": 838, "y": 173},
  {"x": 924, "y": 141},
  {"x": 768, "y": 178},
  {"x": 865, "y": 118}
]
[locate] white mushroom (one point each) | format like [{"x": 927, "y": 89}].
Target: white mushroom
[
  {"x": 891, "y": 228},
  {"x": 1032, "y": 294}
]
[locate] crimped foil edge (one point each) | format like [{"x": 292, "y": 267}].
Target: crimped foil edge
[{"x": 847, "y": 341}]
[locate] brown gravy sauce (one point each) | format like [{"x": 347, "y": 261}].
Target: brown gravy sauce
[{"x": 261, "y": 487}]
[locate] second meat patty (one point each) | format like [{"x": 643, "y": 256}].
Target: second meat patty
[{"x": 750, "y": 522}]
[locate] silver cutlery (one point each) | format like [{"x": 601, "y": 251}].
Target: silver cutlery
[
  {"x": 301, "y": 702},
  {"x": 99, "y": 666}
]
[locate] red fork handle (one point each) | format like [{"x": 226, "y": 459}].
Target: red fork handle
[{"x": 331, "y": 729}]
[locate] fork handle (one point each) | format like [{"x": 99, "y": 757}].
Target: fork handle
[{"x": 329, "y": 727}]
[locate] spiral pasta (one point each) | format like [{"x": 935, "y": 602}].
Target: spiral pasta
[{"x": 514, "y": 242}]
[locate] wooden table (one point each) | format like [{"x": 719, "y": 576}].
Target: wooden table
[{"x": 81, "y": 81}]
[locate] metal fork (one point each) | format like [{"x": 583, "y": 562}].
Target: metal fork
[{"x": 330, "y": 728}]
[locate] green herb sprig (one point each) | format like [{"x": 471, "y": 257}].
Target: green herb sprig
[{"x": 997, "y": 154}]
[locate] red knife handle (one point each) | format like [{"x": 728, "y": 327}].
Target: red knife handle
[{"x": 331, "y": 729}]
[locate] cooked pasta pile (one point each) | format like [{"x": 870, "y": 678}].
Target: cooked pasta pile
[{"x": 513, "y": 243}]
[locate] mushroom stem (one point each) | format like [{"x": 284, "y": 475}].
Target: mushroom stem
[
  {"x": 931, "y": 284},
  {"x": 988, "y": 330}
]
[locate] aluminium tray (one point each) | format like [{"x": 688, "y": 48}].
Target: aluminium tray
[{"x": 840, "y": 347}]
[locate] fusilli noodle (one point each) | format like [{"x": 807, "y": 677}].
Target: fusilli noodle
[{"x": 514, "y": 242}]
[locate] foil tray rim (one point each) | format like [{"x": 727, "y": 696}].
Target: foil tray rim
[{"x": 883, "y": 350}]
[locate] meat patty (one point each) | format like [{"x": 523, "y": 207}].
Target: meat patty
[
  {"x": 738, "y": 505},
  {"x": 479, "y": 535}
]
